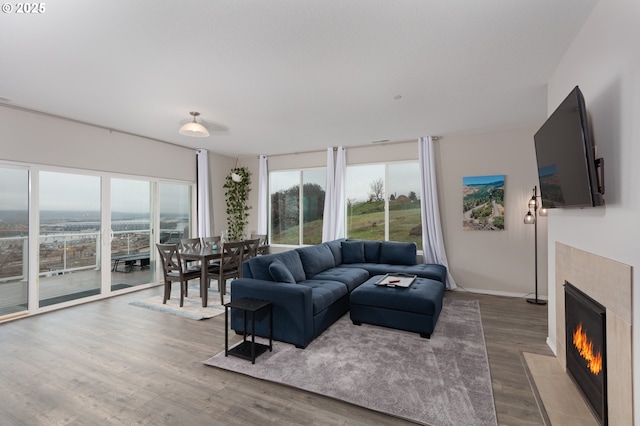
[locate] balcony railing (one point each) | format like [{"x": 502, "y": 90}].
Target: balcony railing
[{"x": 61, "y": 253}]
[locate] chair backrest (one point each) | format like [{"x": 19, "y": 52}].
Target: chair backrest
[
  {"x": 261, "y": 237},
  {"x": 231, "y": 260},
  {"x": 191, "y": 243},
  {"x": 251, "y": 248},
  {"x": 170, "y": 257},
  {"x": 208, "y": 242}
]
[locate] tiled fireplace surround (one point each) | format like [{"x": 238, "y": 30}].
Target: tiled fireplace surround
[{"x": 609, "y": 283}]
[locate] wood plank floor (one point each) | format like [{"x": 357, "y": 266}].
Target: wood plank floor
[{"x": 107, "y": 362}]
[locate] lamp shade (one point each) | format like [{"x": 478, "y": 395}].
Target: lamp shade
[
  {"x": 194, "y": 128},
  {"x": 529, "y": 219}
]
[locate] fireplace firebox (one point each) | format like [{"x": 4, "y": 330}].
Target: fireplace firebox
[{"x": 585, "y": 322}]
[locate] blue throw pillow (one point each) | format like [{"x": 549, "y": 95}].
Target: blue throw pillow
[
  {"x": 398, "y": 253},
  {"x": 352, "y": 251},
  {"x": 279, "y": 272},
  {"x": 372, "y": 251},
  {"x": 316, "y": 259}
]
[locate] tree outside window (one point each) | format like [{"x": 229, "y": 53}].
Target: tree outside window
[{"x": 296, "y": 206}]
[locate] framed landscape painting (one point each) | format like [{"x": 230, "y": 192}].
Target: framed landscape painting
[{"x": 483, "y": 203}]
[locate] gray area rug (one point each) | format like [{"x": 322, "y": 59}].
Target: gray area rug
[
  {"x": 192, "y": 307},
  {"x": 440, "y": 381}
]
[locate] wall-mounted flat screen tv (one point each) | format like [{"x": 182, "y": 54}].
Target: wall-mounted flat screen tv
[{"x": 569, "y": 174}]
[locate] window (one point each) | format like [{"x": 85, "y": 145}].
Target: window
[
  {"x": 383, "y": 202},
  {"x": 296, "y": 206},
  {"x": 70, "y": 228},
  {"x": 77, "y": 239},
  {"x": 175, "y": 212},
  {"x": 14, "y": 239}
]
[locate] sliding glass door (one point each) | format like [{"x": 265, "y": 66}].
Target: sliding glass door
[
  {"x": 175, "y": 212},
  {"x": 14, "y": 240},
  {"x": 69, "y": 237},
  {"x": 131, "y": 233}
]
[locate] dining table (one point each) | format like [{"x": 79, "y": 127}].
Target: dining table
[{"x": 204, "y": 255}]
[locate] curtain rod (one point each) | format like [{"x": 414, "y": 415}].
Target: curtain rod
[{"x": 382, "y": 143}]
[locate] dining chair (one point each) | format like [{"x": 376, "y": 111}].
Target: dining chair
[
  {"x": 191, "y": 244},
  {"x": 264, "y": 245},
  {"x": 251, "y": 248},
  {"x": 174, "y": 271},
  {"x": 230, "y": 266},
  {"x": 208, "y": 242}
]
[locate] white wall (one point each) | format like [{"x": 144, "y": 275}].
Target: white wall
[
  {"x": 36, "y": 138},
  {"x": 495, "y": 262},
  {"x": 219, "y": 167},
  {"x": 498, "y": 262},
  {"x": 604, "y": 60}
]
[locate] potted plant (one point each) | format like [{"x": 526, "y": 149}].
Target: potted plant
[{"x": 237, "y": 185}]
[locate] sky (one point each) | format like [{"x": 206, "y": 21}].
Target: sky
[
  {"x": 475, "y": 180},
  {"x": 403, "y": 178},
  {"x": 14, "y": 189},
  {"x": 283, "y": 180},
  {"x": 64, "y": 191}
]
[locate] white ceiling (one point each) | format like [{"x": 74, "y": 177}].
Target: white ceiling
[{"x": 278, "y": 76}]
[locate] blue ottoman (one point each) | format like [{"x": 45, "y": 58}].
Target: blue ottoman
[{"x": 415, "y": 308}]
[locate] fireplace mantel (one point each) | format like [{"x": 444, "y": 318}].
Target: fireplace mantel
[{"x": 609, "y": 283}]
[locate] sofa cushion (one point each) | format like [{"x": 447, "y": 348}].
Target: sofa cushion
[
  {"x": 398, "y": 253},
  {"x": 279, "y": 272},
  {"x": 349, "y": 276},
  {"x": 352, "y": 251},
  {"x": 316, "y": 259},
  {"x": 336, "y": 248},
  {"x": 372, "y": 251},
  {"x": 324, "y": 293},
  {"x": 423, "y": 270},
  {"x": 259, "y": 265}
]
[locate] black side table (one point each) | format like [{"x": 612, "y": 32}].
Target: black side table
[{"x": 248, "y": 350}]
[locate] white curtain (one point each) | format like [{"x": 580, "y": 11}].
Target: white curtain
[
  {"x": 204, "y": 202},
  {"x": 263, "y": 193},
  {"x": 333, "y": 225},
  {"x": 340, "y": 194},
  {"x": 432, "y": 240},
  {"x": 327, "y": 215}
]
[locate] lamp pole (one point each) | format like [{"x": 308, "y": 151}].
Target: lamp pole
[{"x": 533, "y": 219}]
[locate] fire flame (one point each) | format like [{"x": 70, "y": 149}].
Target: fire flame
[{"x": 584, "y": 345}]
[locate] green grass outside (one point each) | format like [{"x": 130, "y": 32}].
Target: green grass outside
[{"x": 364, "y": 221}]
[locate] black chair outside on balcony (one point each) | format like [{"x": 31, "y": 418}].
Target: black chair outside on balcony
[
  {"x": 173, "y": 271},
  {"x": 230, "y": 266}
]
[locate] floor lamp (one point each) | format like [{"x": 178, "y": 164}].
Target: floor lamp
[{"x": 531, "y": 218}]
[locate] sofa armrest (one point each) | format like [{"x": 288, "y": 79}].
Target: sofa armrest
[{"x": 292, "y": 309}]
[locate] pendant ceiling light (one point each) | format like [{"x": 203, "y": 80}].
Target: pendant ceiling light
[{"x": 194, "y": 128}]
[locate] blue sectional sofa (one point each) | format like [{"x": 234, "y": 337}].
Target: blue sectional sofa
[{"x": 310, "y": 286}]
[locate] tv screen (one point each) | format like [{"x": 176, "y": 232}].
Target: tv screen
[{"x": 565, "y": 154}]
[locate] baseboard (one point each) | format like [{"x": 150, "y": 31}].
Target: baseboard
[
  {"x": 498, "y": 293},
  {"x": 552, "y": 346}
]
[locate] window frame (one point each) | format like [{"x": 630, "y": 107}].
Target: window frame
[
  {"x": 386, "y": 195},
  {"x": 300, "y": 183}
]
